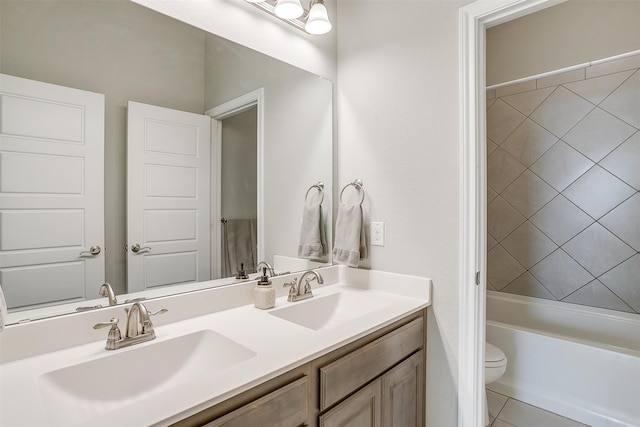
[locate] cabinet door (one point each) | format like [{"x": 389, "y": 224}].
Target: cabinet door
[
  {"x": 403, "y": 393},
  {"x": 360, "y": 410},
  {"x": 284, "y": 407},
  {"x": 350, "y": 372}
]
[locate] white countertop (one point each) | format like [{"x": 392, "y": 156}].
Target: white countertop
[{"x": 279, "y": 346}]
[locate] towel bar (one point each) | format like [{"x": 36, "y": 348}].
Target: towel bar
[
  {"x": 357, "y": 183},
  {"x": 320, "y": 187}
]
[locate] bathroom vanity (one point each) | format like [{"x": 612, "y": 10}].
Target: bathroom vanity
[
  {"x": 377, "y": 380},
  {"x": 354, "y": 351}
]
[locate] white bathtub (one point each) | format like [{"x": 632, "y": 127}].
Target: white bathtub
[{"x": 577, "y": 361}]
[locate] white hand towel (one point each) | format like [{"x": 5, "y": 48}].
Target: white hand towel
[
  {"x": 3, "y": 310},
  {"x": 312, "y": 245},
  {"x": 350, "y": 244}
]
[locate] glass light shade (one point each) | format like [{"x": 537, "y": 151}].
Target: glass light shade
[
  {"x": 289, "y": 9},
  {"x": 318, "y": 20},
  {"x": 254, "y": 1}
]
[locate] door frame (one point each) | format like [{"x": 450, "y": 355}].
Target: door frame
[
  {"x": 217, "y": 114},
  {"x": 474, "y": 19}
]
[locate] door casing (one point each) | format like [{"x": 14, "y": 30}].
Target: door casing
[{"x": 474, "y": 19}]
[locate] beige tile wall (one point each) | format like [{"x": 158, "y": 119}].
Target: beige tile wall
[{"x": 563, "y": 174}]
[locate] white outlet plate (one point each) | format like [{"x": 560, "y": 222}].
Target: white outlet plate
[{"x": 377, "y": 233}]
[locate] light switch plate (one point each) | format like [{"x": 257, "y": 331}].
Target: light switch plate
[{"x": 377, "y": 233}]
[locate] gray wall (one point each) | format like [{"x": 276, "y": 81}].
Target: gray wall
[
  {"x": 297, "y": 130},
  {"x": 117, "y": 48},
  {"x": 571, "y": 33},
  {"x": 239, "y": 157},
  {"x": 398, "y": 131}
]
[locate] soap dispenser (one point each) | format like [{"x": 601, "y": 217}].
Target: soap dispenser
[
  {"x": 264, "y": 296},
  {"x": 242, "y": 275}
]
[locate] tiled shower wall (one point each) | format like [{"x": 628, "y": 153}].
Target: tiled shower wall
[{"x": 563, "y": 175}]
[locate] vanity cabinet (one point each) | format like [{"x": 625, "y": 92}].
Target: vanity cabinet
[
  {"x": 393, "y": 368},
  {"x": 361, "y": 410},
  {"x": 286, "y": 406},
  {"x": 282, "y": 401},
  {"x": 395, "y": 399},
  {"x": 403, "y": 393},
  {"x": 377, "y": 380}
]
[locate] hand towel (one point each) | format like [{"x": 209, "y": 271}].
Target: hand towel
[
  {"x": 350, "y": 244},
  {"x": 312, "y": 245},
  {"x": 3, "y": 310},
  {"x": 240, "y": 240}
]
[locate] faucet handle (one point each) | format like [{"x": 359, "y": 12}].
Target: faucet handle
[
  {"x": 147, "y": 326},
  {"x": 292, "y": 286},
  {"x": 114, "y": 332},
  {"x": 161, "y": 311},
  {"x": 113, "y": 323}
]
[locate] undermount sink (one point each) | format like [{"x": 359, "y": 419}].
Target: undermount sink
[
  {"x": 81, "y": 392},
  {"x": 324, "y": 312}
]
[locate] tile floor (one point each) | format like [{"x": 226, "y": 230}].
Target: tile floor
[{"x": 507, "y": 412}]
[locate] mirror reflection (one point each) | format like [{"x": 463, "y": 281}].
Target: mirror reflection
[{"x": 152, "y": 223}]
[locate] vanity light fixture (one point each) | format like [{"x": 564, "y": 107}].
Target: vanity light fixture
[
  {"x": 289, "y": 9},
  {"x": 315, "y": 20},
  {"x": 318, "y": 19}
]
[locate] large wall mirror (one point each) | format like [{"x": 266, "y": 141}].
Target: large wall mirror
[{"x": 269, "y": 140}]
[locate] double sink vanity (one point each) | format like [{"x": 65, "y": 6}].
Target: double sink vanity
[{"x": 351, "y": 352}]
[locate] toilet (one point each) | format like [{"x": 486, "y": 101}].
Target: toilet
[{"x": 495, "y": 363}]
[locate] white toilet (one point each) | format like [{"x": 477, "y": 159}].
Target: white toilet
[{"x": 495, "y": 363}]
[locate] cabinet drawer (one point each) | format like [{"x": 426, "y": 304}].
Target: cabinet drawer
[
  {"x": 284, "y": 407},
  {"x": 344, "y": 376}
]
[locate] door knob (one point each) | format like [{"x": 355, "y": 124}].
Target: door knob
[
  {"x": 93, "y": 250},
  {"x": 136, "y": 248}
]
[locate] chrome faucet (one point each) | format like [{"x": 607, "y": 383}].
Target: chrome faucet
[
  {"x": 139, "y": 327},
  {"x": 265, "y": 264},
  {"x": 138, "y": 321},
  {"x": 297, "y": 294},
  {"x": 107, "y": 291}
]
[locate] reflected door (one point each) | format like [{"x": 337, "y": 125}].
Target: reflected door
[
  {"x": 168, "y": 197},
  {"x": 51, "y": 193}
]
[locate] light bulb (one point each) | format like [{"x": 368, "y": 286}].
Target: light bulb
[
  {"x": 289, "y": 9},
  {"x": 318, "y": 20}
]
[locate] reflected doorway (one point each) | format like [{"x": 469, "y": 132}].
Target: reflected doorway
[
  {"x": 238, "y": 192},
  {"x": 237, "y": 183}
]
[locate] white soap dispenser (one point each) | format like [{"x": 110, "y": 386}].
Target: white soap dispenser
[{"x": 264, "y": 296}]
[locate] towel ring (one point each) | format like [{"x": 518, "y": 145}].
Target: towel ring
[
  {"x": 357, "y": 183},
  {"x": 320, "y": 187}
]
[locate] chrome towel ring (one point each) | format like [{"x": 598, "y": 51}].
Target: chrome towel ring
[
  {"x": 357, "y": 184},
  {"x": 320, "y": 187}
]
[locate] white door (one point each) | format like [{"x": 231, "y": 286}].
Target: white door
[
  {"x": 168, "y": 199},
  {"x": 51, "y": 192}
]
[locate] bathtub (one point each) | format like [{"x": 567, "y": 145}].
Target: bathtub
[{"x": 577, "y": 361}]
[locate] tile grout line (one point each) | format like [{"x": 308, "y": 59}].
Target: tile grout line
[{"x": 560, "y": 193}]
